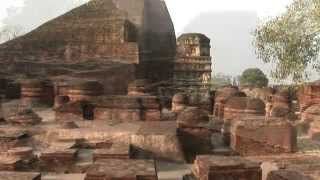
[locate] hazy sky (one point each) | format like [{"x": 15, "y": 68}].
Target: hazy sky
[
  {"x": 182, "y": 11},
  {"x": 5, "y": 4}
]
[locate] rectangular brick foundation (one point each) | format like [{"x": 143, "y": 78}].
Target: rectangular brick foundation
[
  {"x": 128, "y": 108},
  {"x": 6, "y": 175},
  {"x": 122, "y": 170},
  {"x": 250, "y": 137},
  {"x": 289, "y": 166},
  {"x": 57, "y": 160},
  {"x": 287, "y": 175},
  {"x": 116, "y": 151},
  {"x": 225, "y": 167}
]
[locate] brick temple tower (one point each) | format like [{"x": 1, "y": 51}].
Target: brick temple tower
[
  {"x": 193, "y": 61},
  {"x": 126, "y": 39}
]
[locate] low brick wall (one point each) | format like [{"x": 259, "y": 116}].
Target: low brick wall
[
  {"x": 128, "y": 108},
  {"x": 250, "y": 137}
]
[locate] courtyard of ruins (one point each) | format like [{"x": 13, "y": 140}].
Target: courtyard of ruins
[{"x": 108, "y": 92}]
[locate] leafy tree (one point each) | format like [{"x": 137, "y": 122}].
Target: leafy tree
[
  {"x": 291, "y": 41},
  {"x": 253, "y": 77}
]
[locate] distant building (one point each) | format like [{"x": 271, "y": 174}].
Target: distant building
[{"x": 193, "y": 62}]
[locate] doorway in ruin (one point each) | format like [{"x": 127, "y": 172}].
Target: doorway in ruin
[{"x": 88, "y": 112}]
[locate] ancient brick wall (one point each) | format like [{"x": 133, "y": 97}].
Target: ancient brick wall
[
  {"x": 308, "y": 95},
  {"x": 221, "y": 97},
  {"x": 37, "y": 91},
  {"x": 287, "y": 175},
  {"x": 97, "y": 33},
  {"x": 237, "y": 107},
  {"x": 70, "y": 111},
  {"x": 131, "y": 32},
  {"x": 115, "y": 79},
  {"x": 193, "y": 62},
  {"x": 128, "y": 108},
  {"x": 250, "y": 137},
  {"x": 222, "y": 167}
]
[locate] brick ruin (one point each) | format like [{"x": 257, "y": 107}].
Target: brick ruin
[
  {"x": 222, "y": 167},
  {"x": 309, "y": 103},
  {"x": 288, "y": 166},
  {"x": 179, "y": 102},
  {"x": 193, "y": 132},
  {"x": 236, "y": 107},
  {"x": 193, "y": 63},
  {"x": 222, "y": 95},
  {"x": 286, "y": 175},
  {"x": 122, "y": 169},
  {"x": 106, "y": 91},
  {"x": 280, "y": 104},
  {"x": 254, "y": 136},
  {"x": 115, "y": 36}
]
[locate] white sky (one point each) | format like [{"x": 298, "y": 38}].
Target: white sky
[
  {"x": 5, "y": 4},
  {"x": 182, "y": 11}
]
